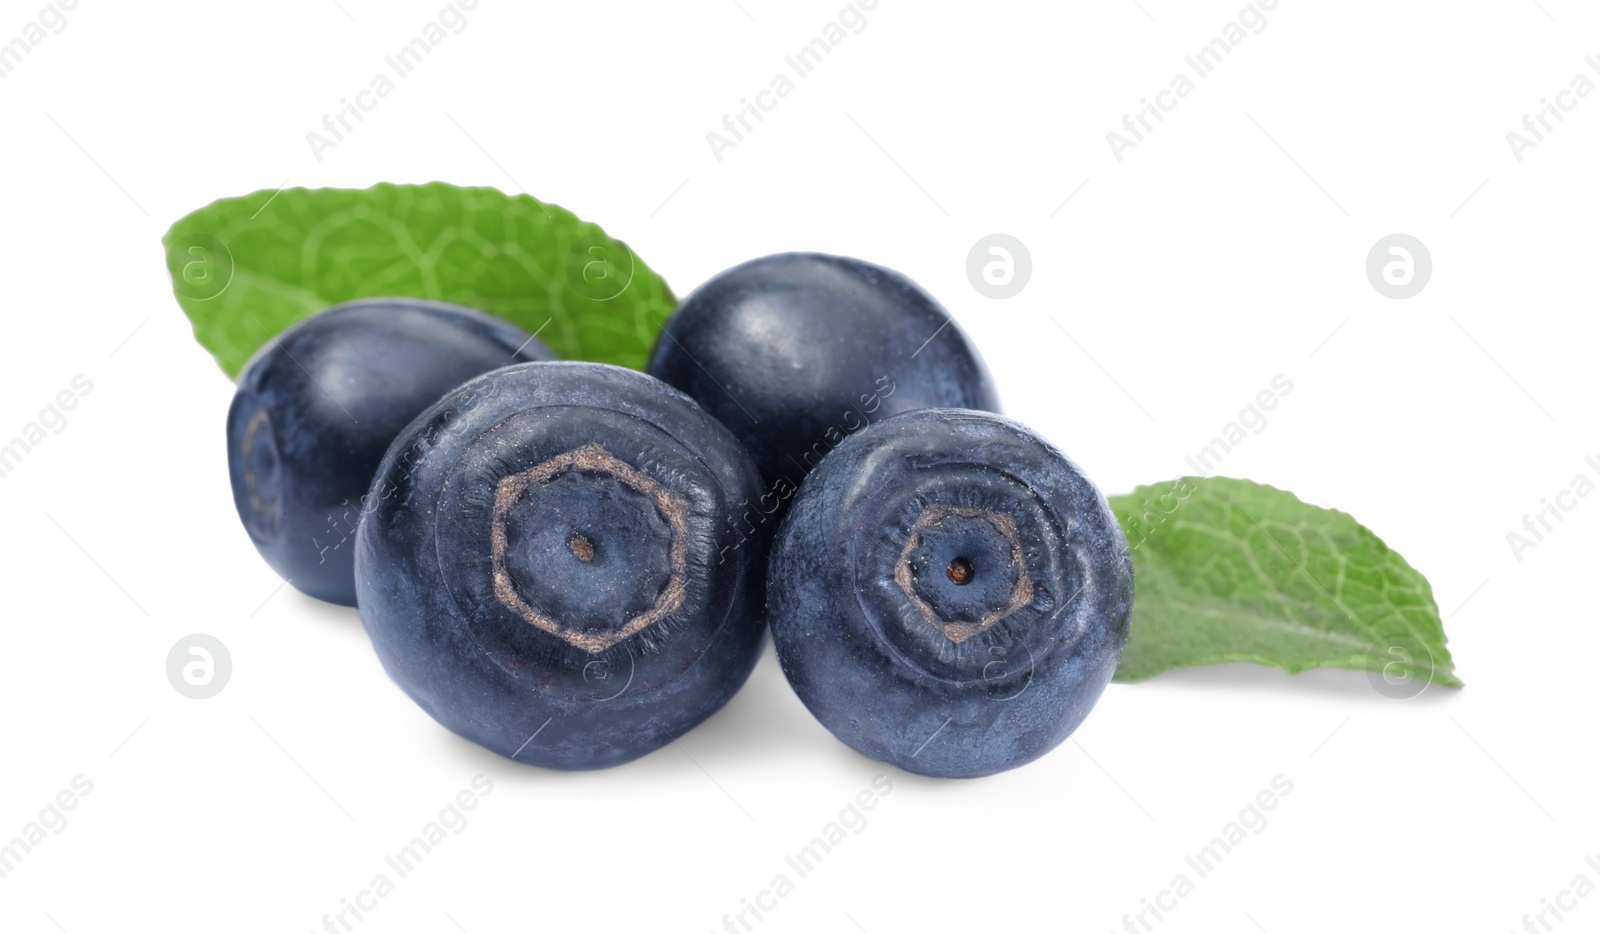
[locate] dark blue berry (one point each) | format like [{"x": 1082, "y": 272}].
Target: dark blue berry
[
  {"x": 797, "y": 351},
  {"x": 554, "y": 563},
  {"x": 319, "y": 404},
  {"x": 317, "y": 407},
  {"x": 949, "y": 593}
]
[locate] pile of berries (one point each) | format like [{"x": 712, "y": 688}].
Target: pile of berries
[{"x": 573, "y": 563}]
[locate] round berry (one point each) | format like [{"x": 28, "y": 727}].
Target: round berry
[
  {"x": 949, "y": 593},
  {"x": 318, "y": 405},
  {"x": 558, "y": 563}
]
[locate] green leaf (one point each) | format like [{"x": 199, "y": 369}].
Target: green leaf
[
  {"x": 244, "y": 269},
  {"x": 1233, "y": 571}
]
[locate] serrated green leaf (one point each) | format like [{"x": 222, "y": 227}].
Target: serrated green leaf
[
  {"x": 244, "y": 269},
  {"x": 1234, "y": 571}
]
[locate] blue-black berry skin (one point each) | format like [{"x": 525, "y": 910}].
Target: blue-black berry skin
[
  {"x": 315, "y": 409},
  {"x": 556, "y": 564},
  {"x": 795, "y": 352},
  {"x": 949, "y": 593}
]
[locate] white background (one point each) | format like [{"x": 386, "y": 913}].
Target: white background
[{"x": 1222, "y": 251}]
